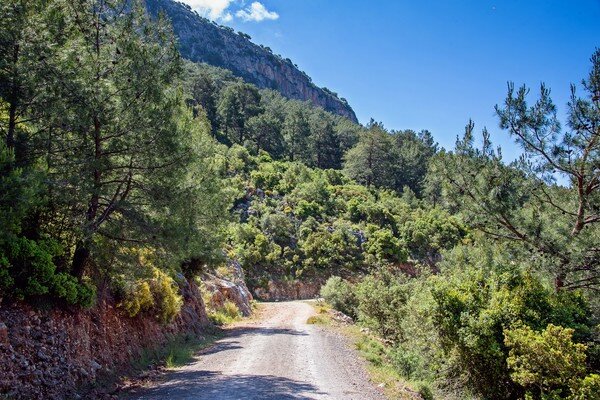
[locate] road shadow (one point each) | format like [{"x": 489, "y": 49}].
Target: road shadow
[
  {"x": 228, "y": 343},
  {"x": 184, "y": 385},
  {"x": 263, "y": 331}
]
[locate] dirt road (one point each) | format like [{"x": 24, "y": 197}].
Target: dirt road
[{"x": 278, "y": 356}]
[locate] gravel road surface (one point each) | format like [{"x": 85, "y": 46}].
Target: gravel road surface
[{"x": 277, "y": 356}]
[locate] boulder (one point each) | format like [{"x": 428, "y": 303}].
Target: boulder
[{"x": 222, "y": 290}]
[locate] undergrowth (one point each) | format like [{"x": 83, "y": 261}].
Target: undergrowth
[
  {"x": 178, "y": 351},
  {"x": 381, "y": 367},
  {"x": 224, "y": 315}
]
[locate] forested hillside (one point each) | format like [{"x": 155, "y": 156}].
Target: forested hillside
[{"x": 125, "y": 170}]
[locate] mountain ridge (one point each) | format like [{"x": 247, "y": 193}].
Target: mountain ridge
[{"x": 201, "y": 40}]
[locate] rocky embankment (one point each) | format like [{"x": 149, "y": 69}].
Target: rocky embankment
[
  {"x": 223, "y": 290},
  {"x": 61, "y": 353},
  {"x": 281, "y": 290},
  {"x": 201, "y": 40}
]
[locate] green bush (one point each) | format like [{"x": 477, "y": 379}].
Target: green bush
[
  {"x": 138, "y": 299},
  {"x": 340, "y": 295},
  {"x": 158, "y": 295},
  {"x": 482, "y": 292},
  {"x": 332, "y": 248},
  {"x": 167, "y": 299},
  {"x": 27, "y": 270},
  {"x": 545, "y": 363},
  {"x": 384, "y": 246},
  {"x": 382, "y": 299},
  {"x": 226, "y": 314},
  {"x": 588, "y": 389},
  {"x": 428, "y": 232},
  {"x": 405, "y": 361}
]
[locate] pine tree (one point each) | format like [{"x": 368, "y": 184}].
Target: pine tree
[
  {"x": 296, "y": 132},
  {"x": 371, "y": 161}
]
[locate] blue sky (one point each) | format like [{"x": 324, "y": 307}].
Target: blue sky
[{"x": 425, "y": 64}]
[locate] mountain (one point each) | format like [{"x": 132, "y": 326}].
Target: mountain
[{"x": 201, "y": 40}]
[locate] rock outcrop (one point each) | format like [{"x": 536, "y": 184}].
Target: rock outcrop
[
  {"x": 201, "y": 40},
  {"x": 280, "y": 290},
  {"x": 233, "y": 289},
  {"x": 222, "y": 290}
]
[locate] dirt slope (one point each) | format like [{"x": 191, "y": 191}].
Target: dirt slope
[{"x": 278, "y": 356}]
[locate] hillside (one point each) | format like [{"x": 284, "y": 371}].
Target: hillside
[{"x": 201, "y": 40}]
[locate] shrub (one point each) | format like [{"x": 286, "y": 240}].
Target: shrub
[
  {"x": 231, "y": 310},
  {"x": 340, "y": 295},
  {"x": 425, "y": 392},
  {"x": 588, "y": 389},
  {"x": 431, "y": 231},
  {"x": 384, "y": 246},
  {"x": 306, "y": 209},
  {"x": 27, "y": 270},
  {"x": 332, "y": 247},
  {"x": 226, "y": 314},
  {"x": 159, "y": 295},
  {"x": 167, "y": 300},
  {"x": 406, "y": 362},
  {"x": 475, "y": 303},
  {"x": 138, "y": 299},
  {"x": 266, "y": 177},
  {"x": 546, "y": 362},
  {"x": 382, "y": 299}
]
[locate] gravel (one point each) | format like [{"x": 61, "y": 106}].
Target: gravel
[{"x": 277, "y": 356}]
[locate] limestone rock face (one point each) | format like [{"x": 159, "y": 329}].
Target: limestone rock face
[
  {"x": 201, "y": 40},
  {"x": 278, "y": 290},
  {"x": 222, "y": 290}
]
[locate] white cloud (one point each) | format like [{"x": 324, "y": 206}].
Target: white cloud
[
  {"x": 213, "y": 9},
  {"x": 256, "y": 12}
]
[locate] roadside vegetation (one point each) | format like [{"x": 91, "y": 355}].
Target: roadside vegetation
[
  {"x": 177, "y": 352},
  {"x": 511, "y": 310}
]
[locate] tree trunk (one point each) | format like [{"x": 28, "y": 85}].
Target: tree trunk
[
  {"x": 559, "y": 281},
  {"x": 13, "y": 100},
  {"x": 80, "y": 259}
]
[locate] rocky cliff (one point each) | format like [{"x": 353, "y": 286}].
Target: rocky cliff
[{"x": 201, "y": 40}]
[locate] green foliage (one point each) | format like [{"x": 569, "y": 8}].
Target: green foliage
[
  {"x": 370, "y": 162},
  {"x": 295, "y": 221},
  {"x": 521, "y": 202},
  {"x": 158, "y": 295},
  {"x": 340, "y": 295},
  {"x": 382, "y": 299},
  {"x": 545, "y": 363},
  {"x": 589, "y": 388},
  {"x": 226, "y": 314},
  {"x": 384, "y": 246},
  {"x": 332, "y": 247},
  {"x": 477, "y": 302},
  {"x": 167, "y": 299},
  {"x": 238, "y": 103},
  {"x": 430, "y": 232},
  {"x": 138, "y": 299},
  {"x": 96, "y": 155},
  {"x": 395, "y": 160}
]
